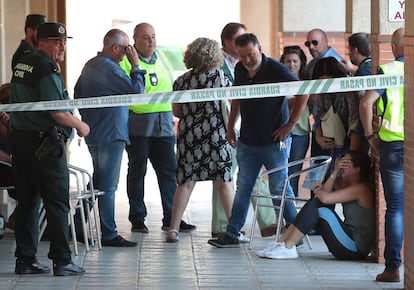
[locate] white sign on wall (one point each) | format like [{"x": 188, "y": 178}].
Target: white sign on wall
[{"x": 396, "y": 10}]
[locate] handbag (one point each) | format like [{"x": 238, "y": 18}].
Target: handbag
[
  {"x": 224, "y": 104},
  {"x": 332, "y": 127}
]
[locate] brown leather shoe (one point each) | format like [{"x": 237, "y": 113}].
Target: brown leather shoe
[
  {"x": 268, "y": 231},
  {"x": 389, "y": 276}
]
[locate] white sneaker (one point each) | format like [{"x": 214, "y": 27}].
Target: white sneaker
[
  {"x": 270, "y": 246},
  {"x": 281, "y": 252},
  {"x": 243, "y": 239}
]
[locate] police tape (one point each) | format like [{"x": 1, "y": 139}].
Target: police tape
[{"x": 290, "y": 89}]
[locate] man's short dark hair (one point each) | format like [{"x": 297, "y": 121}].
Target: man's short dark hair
[
  {"x": 34, "y": 20},
  {"x": 245, "y": 39},
  {"x": 361, "y": 41},
  {"x": 229, "y": 30}
]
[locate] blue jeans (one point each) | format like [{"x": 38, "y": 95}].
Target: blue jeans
[
  {"x": 106, "y": 161},
  {"x": 299, "y": 147},
  {"x": 392, "y": 175},
  {"x": 160, "y": 151},
  {"x": 250, "y": 160}
]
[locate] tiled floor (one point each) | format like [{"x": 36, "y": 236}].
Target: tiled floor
[{"x": 191, "y": 263}]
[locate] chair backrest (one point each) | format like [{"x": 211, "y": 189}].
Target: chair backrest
[
  {"x": 316, "y": 170},
  {"x": 315, "y": 163},
  {"x": 314, "y": 167}
]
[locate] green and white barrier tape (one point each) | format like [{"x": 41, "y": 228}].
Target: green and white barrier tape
[{"x": 238, "y": 92}]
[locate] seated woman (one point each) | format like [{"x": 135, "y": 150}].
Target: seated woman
[{"x": 351, "y": 239}]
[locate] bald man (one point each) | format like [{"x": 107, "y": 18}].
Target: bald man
[
  {"x": 102, "y": 76},
  {"x": 317, "y": 43},
  {"x": 389, "y": 142},
  {"x": 151, "y": 132}
]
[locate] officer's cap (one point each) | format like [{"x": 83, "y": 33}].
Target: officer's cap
[{"x": 51, "y": 30}]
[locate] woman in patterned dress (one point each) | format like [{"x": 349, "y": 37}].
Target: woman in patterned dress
[
  {"x": 345, "y": 104},
  {"x": 203, "y": 152}
]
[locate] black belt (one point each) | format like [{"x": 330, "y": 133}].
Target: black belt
[{"x": 38, "y": 134}]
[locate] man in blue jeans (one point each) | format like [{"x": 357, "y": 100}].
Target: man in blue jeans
[
  {"x": 389, "y": 142},
  {"x": 264, "y": 132},
  {"x": 102, "y": 76}
]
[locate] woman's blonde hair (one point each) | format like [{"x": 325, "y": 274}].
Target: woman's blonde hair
[{"x": 203, "y": 54}]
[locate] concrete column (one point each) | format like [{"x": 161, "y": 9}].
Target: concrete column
[
  {"x": 12, "y": 17},
  {"x": 381, "y": 30},
  {"x": 358, "y": 16},
  {"x": 263, "y": 18},
  {"x": 409, "y": 147}
]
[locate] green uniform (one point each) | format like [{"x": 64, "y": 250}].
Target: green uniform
[{"x": 36, "y": 78}]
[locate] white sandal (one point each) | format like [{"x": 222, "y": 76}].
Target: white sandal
[{"x": 172, "y": 239}]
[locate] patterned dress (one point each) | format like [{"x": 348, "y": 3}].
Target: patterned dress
[
  {"x": 346, "y": 105},
  {"x": 203, "y": 152}
]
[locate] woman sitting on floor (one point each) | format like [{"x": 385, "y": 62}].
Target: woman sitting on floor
[{"x": 352, "y": 239}]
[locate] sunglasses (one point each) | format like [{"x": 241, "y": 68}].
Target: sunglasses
[{"x": 313, "y": 42}]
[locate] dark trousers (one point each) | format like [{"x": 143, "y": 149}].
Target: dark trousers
[
  {"x": 160, "y": 151},
  {"x": 35, "y": 179},
  {"x": 329, "y": 226}
]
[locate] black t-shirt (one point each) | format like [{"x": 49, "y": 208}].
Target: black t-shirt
[{"x": 261, "y": 116}]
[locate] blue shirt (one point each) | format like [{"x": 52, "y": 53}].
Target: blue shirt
[
  {"x": 102, "y": 76},
  {"x": 262, "y": 116},
  {"x": 328, "y": 53},
  {"x": 333, "y": 53}
]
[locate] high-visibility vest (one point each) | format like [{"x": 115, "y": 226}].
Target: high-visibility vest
[
  {"x": 158, "y": 78},
  {"x": 391, "y": 109}
]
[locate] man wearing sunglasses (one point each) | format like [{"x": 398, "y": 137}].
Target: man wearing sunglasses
[{"x": 317, "y": 43}]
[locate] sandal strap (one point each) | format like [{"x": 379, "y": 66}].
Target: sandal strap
[
  {"x": 172, "y": 231},
  {"x": 172, "y": 240}
]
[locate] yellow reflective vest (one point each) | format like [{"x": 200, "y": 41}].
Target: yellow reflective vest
[
  {"x": 158, "y": 78},
  {"x": 392, "y": 109}
]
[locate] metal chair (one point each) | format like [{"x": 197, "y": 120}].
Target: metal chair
[
  {"x": 313, "y": 170},
  {"x": 77, "y": 201},
  {"x": 86, "y": 196}
]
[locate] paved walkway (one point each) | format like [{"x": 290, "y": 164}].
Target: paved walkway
[{"x": 191, "y": 263}]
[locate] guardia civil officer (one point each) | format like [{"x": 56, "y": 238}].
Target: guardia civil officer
[
  {"x": 39, "y": 157},
  {"x": 28, "y": 44}
]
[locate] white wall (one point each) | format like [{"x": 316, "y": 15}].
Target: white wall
[
  {"x": 304, "y": 15},
  {"x": 176, "y": 22}
]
